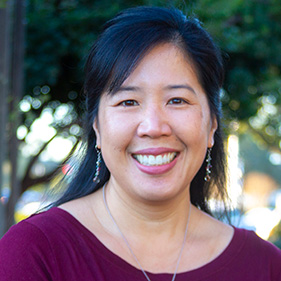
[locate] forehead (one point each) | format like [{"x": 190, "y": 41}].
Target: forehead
[{"x": 165, "y": 63}]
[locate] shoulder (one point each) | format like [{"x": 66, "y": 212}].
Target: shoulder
[
  {"x": 256, "y": 254},
  {"x": 32, "y": 229},
  {"x": 256, "y": 245},
  {"x": 40, "y": 224},
  {"x": 240, "y": 251},
  {"x": 25, "y": 251},
  {"x": 244, "y": 241},
  {"x": 37, "y": 248},
  {"x": 43, "y": 228},
  {"x": 36, "y": 227}
]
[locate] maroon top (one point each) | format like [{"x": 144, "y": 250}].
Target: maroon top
[{"x": 55, "y": 246}]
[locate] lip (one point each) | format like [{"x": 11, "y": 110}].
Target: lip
[{"x": 156, "y": 170}]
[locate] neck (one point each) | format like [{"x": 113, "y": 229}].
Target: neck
[
  {"x": 166, "y": 218},
  {"x": 147, "y": 252}
]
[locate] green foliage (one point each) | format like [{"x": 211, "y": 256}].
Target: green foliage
[
  {"x": 249, "y": 33},
  {"x": 3, "y": 4},
  {"x": 276, "y": 235},
  {"x": 60, "y": 33}
]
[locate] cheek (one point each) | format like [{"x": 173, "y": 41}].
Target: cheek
[
  {"x": 116, "y": 137},
  {"x": 116, "y": 133},
  {"x": 194, "y": 125}
]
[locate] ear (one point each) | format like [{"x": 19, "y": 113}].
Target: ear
[
  {"x": 214, "y": 126},
  {"x": 97, "y": 132}
]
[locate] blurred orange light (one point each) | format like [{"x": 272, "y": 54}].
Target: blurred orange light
[{"x": 66, "y": 169}]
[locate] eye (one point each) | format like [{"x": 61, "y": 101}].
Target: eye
[
  {"x": 128, "y": 103},
  {"x": 177, "y": 101}
]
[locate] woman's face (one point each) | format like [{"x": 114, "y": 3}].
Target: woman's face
[{"x": 154, "y": 132}]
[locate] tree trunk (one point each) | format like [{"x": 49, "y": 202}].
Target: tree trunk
[
  {"x": 5, "y": 21},
  {"x": 16, "y": 95}
]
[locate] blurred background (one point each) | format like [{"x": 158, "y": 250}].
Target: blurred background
[{"x": 43, "y": 47}]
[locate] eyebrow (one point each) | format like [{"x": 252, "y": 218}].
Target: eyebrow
[
  {"x": 169, "y": 87},
  {"x": 180, "y": 86},
  {"x": 128, "y": 89}
]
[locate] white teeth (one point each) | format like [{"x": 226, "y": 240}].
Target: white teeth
[
  {"x": 144, "y": 160},
  {"x": 151, "y": 160},
  {"x": 158, "y": 160}
]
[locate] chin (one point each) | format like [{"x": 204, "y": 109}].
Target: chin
[{"x": 158, "y": 194}]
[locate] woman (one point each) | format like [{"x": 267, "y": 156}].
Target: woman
[{"x": 137, "y": 207}]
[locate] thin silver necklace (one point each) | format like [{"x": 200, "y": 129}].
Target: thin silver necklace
[{"x": 129, "y": 247}]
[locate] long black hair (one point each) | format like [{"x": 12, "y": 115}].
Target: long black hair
[{"x": 118, "y": 50}]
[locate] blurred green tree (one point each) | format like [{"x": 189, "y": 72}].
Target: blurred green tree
[
  {"x": 59, "y": 34},
  {"x": 249, "y": 32}
]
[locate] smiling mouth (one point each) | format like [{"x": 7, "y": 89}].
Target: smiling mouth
[{"x": 155, "y": 160}]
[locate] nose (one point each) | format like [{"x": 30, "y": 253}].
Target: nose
[{"x": 154, "y": 123}]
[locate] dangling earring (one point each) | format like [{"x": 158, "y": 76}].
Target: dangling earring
[
  {"x": 209, "y": 166},
  {"x": 98, "y": 163}
]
